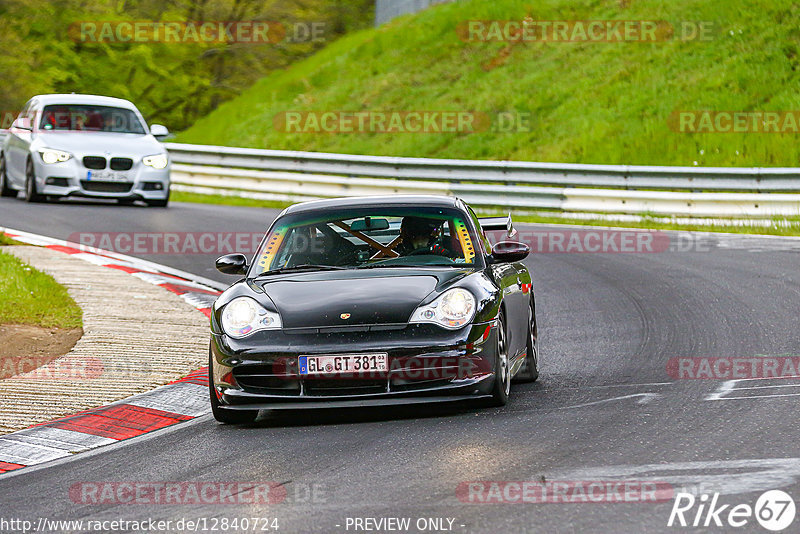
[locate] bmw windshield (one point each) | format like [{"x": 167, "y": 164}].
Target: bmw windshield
[{"x": 90, "y": 118}]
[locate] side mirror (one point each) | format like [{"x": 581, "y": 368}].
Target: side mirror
[
  {"x": 159, "y": 131},
  {"x": 22, "y": 123},
  {"x": 509, "y": 252},
  {"x": 232, "y": 264}
]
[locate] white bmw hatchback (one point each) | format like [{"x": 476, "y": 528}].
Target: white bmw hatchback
[{"x": 84, "y": 146}]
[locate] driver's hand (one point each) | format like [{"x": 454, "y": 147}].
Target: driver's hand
[{"x": 439, "y": 250}]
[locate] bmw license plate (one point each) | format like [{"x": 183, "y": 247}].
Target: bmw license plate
[
  {"x": 106, "y": 176},
  {"x": 343, "y": 364}
]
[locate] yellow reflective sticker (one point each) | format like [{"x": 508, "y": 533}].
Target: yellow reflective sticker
[
  {"x": 466, "y": 242},
  {"x": 271, "y": 248}
]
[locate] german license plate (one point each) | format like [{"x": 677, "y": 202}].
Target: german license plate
[
  {"x": 343, "y": 364},
  {"x": 106, "y": 176}
]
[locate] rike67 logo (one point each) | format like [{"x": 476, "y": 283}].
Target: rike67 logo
[{"x": 774, "y": 510}]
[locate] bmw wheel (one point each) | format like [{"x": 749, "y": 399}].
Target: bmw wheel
[
  {"x": 159, "y": 203},
  {"x": 5, "y": 190},
  {"x": 31, "y": 194}
]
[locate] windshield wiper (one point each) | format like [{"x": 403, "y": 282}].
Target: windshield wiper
[{"x": 300, "y": 268}]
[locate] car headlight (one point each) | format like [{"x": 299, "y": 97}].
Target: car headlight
[
  {"x": 54, "y": 156},
  {"x": 453, "y": 309},
  {"x": 242, "y": 316},
  {"x": 157, "y": 161}
]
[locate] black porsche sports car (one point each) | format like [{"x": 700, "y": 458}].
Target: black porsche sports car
[{"x": 373, "y": 301}]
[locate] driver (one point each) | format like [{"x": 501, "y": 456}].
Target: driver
[{"x": 418, "y": 236}]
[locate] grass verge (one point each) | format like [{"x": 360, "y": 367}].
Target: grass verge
[
  {"x": 581, "y": 102},
  {"x": 5, "y": 240},
  {"x": 29, "y": 296},
  {"x": 182, "y": 196},
  {"x": 779, "y": 227}
]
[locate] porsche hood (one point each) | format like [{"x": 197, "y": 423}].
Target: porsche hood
[{"x": 350, "y": 298}]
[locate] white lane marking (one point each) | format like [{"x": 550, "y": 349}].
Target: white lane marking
[
  {"x": 609, "y": 386},
  {"x": 644, "y": 398},
  {"x": 702, "y": 476},
  {"x": 770, "y": 387},
  {"x": 762, "y": 396},
  {"x": 725, "y": 387},
  {"x": 729, "y": 387}
]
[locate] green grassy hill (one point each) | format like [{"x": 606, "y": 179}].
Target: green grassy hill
[{"x": 607, "y": 102}]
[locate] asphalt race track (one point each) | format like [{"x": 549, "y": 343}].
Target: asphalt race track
[{"x": 605, "y": 408}]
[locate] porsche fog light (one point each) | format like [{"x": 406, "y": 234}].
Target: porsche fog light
[
  {"x": 453, "y": 309},
  {"x": 242, "y": 316}
]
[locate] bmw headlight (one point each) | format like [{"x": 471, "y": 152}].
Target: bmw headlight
[
  {"x": 453, "y": 309},
  {"x": 157, "y": 161},
  {"x": 242, "y": 316},
  {"x": 50, "y": 155}
]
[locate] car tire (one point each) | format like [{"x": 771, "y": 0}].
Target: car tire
[
  {"x": 31, "y": 194},
  {"x": 502, "y": 370},
  {"x": 159, "y": 203},
  {"x": 227, "y": 417},
  {"x": 5, "y": 189},
  {"x": 530, "y": 369}
]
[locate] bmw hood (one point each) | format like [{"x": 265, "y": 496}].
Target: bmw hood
[
  {"x": 98, "y": 143},
  {"x": 347, "y": 298}
]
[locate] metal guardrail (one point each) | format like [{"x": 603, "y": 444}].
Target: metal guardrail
[
  {"x": 386, "y": 10},
  {"x": 574, "y": 188}
]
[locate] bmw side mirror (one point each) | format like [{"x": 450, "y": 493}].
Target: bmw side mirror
[
  {"x": 159, "y": 131},
  {"x": 509, "y": 252},
  {"x": 232, "y": 264}
]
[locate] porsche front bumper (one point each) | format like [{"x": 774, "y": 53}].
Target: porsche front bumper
[{"x": 426, "y": 364}]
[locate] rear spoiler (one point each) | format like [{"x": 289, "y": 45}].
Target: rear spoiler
[{"x": 495, "y": 224}]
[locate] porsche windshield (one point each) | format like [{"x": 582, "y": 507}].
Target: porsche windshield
[{"x": 368, "y": 237}]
